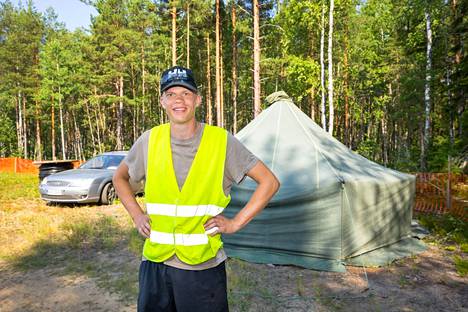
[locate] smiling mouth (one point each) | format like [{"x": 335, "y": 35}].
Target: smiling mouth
[{"x": 179, "y": 109}]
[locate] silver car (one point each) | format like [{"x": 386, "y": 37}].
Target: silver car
[{"x": 90, "y": 183}]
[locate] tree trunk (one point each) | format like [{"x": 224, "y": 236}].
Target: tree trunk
[
  {"x": 91, "y": 128},
  {"x": 135, "y": 107},
  {"x": 143, "y": 88},
  {"x": 19, "y": 122},
  {"x": 256, "y": 58},
  {"x": 62, "y": 131},
  {"x": 208, "y": 81},
  {"x": 120, "y": 115},
  {"x": 218, "y": 69},
  {"x": 25, "y": 130},
  {"x": 52, "y": 126},
  {"x": 330, "y": 69},
  {"x": 77, "y": 138},
  {"x": 427, "y": 93},
  {"x": 174, "y": 36},
  {"x": 345, "y": 85},
  {"x": 234, "y": 67},
  {"x": 38, "y": 154},
  {"x": 322, "y": 69},
  {"x": 188, "y": 34}
]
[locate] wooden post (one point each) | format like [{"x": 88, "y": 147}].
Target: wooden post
[{"x": 449, "y": 186}]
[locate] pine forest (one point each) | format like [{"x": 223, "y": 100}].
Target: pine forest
[{"x": 387, "y": 78}]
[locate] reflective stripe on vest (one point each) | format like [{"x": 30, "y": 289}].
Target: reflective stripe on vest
[
  {"x": 178, "y": 239},
  {"x": 183, "y": 211},
  {"x": 177, "y": 216}
]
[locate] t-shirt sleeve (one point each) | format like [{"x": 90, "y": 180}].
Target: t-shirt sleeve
[
  {"x": 137, "y": 157},
  {"x": 239, "y": 160}
]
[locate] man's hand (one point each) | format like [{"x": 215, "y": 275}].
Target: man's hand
[
  {"x": 267, "y": 186},
  {"x": 142, "y": 224},
  {"x": 125, "y": 192},
  {"x": 221, "y": 224}
]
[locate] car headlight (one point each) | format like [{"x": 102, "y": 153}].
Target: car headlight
[{"x": 44, "y": 181}]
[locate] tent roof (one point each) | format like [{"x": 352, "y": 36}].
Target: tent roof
[{"x": 304, "y": 156}]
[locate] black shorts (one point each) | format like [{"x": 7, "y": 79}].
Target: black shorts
[{"x": 165, "y": 288}]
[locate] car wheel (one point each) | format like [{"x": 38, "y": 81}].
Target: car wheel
[{"x": 108, "y": 194}]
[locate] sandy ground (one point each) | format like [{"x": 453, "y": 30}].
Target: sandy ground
[{"x": 427, "y": 282}]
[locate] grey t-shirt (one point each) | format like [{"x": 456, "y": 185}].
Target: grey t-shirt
[{"x": 239, "y": 160}]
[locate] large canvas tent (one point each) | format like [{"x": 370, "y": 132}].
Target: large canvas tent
[{"x": 333, "y": 207}]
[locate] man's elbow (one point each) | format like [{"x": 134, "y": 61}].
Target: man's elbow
[{"x": 275, "y": 184}]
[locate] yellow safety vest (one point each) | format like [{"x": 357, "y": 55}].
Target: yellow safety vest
[{"x": 177, "y": 216}]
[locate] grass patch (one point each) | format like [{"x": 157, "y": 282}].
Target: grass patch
[
  {"x": 461, "y": 265},
  {"x": 15, "y": 186},
  {"x": 96, "y": 241},
  {"x": 447, "y": 229}
]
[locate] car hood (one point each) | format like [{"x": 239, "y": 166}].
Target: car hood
[{"x": 81, "y": 174}]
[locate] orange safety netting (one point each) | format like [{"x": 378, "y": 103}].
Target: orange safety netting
[
  {"x": 17, "y": 165},
  {"x": 434, "y": 194}
]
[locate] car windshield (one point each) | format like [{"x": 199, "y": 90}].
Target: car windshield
[{"x": 103, "y": 162}]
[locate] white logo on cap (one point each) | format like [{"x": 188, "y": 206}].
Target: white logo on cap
[{"x": 177, "y": 73}]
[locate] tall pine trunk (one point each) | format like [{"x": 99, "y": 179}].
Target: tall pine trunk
[
  {"x": 322, "y": 68},
  {"x": 209, "y": 110},
  {"x": 234, "y": 67},
  {"x": 219, "y": 112},
  {"x": 62, "y": 131},
  {"x": 188, "y": 34},
  {"x": 330, "y": 69},
  {"x": 52, "y": 126},
  {"x": 346, "y": 83},
  {"x": 38, "y": 154},
  {"x": 174, "y": 36},
  {"x": 120, "y": 114},
  {"x": 256, "y": 58}
]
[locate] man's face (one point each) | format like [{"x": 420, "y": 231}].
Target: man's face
[{"x": 180, "y": 104}]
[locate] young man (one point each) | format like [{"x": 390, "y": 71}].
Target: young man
[{"x": 188, "y": 168}]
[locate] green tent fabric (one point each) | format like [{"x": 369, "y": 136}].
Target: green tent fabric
[{"x": 333, "y": 204}]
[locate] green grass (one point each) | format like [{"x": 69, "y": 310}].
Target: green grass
[
  {"x": 461, "y": 265},
  {"x": 16, "y": 186},
  {"x": 96, "y": 241},
  {"x": 451, "y": 234},
  {"x": 447, "y": 228}
]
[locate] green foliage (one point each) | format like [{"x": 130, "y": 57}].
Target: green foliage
[
  {"x": 461, "y": 265},
  {"x": 367, "y": 148},
  {"x": 448, "y": 227},
  {"x": 108, "y": 77}
]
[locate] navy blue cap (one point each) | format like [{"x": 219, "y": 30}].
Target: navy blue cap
[{"x": 178, "y": 76}]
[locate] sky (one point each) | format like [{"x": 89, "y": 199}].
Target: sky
[{"x": 73, "y": 13}]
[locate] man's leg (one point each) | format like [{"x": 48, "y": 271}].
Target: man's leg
[
  {"x": 155, "y": 293},
  {"x": 200, "y": 291}
]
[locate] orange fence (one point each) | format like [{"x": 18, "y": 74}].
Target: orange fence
[
  {"x": 434, "y": 194},
  {"x": 20, "y": 165},
  {"x": 17, "y": 165}
]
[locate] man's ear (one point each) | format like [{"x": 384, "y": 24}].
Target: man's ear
[{"x": 199, "y": 100}]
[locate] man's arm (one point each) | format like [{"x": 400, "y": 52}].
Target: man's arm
[
  {"x": 267, "y": 186},
  {"x": 125, "y": 193}
]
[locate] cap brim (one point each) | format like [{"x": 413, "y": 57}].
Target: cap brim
[{"x": 180, "y": 84}]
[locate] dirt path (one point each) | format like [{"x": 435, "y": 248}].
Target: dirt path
[
  {"x": 427, "y": 282},
  {"x": 49, "y": 290}
]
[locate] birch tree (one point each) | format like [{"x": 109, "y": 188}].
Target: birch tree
[{"x": 427, "y": 91}]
